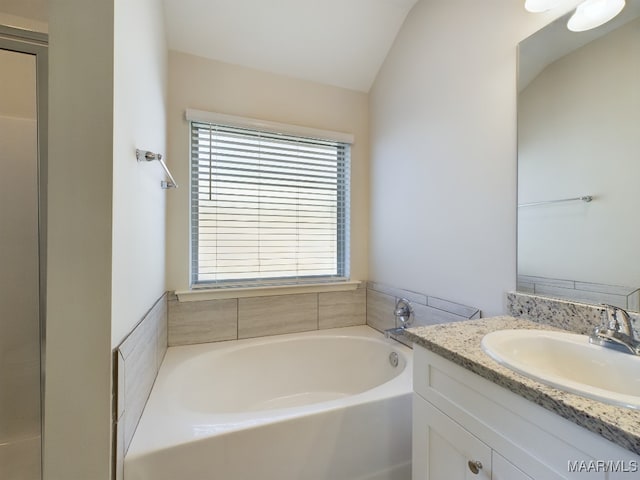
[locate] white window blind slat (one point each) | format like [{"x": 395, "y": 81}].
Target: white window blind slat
[{"x": 267, "y": 208}]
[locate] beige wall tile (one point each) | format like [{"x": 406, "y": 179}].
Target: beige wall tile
[
  {"x": 137, "y": 361},
  {"x": 456, "y": 309},
  {"x": 139, "y": 374},
  {"x": 413, "y": 297},
  {"x": 162, "y": 329},
  {"x": 380, "y": 308},
  {"x": 424, "y": 315},
  {"x": 633, "y": 301},
  {"x": 277, "y": 315},
  {"x": 119, "y": 394},
  {"x": 202, "y": 322},
  {"x": 342, "y": 309},
  {"x": 120, "y": 451}
]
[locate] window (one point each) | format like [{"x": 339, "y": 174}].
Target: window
[{"x": 267, "y": 208}]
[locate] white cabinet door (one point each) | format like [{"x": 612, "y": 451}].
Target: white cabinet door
[
  {"x": 443, "y": 450},
  {"x": 503, "y": 469}
]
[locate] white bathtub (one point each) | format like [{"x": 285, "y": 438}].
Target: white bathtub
[{"x": 322, "y": 405}]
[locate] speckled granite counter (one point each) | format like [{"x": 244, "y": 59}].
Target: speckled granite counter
[{"x": 460, "y": 343}]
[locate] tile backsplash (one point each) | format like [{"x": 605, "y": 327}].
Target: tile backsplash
[
  {"x": 428, "y": 310},
  {"x": 573, "y": 316}
]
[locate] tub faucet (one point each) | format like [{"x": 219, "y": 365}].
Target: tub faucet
[
  {"x": 616, "y": 331},
  {"x": 394, "y": 332},
  {"x": 403, "y": 313}
]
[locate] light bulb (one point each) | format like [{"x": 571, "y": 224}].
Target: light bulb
[
  {"x": 593, "y": 13},
  {"x": 537, "y": 6}
]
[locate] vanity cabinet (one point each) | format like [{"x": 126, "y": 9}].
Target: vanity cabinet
[
  {"x": 462, "y": 421},
  {"x": 445, "y": 450}
]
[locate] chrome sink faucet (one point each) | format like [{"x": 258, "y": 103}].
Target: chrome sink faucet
[
  {"x": 403, "y": 313},
  {"x": 616, "y": 331}
]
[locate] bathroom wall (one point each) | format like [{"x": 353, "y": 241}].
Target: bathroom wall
[
  {"x": 106, "y": 214},
  {"x": 202, "y": 84},
  {"x": 139, "y": 203},
  {"x": 582, "y": 143},
  {"x": 77, "y": 427},
  {"x": 444, "y": 132},
  {"x": 443, "y": 151},
  {"x": 31, "y": 15}
]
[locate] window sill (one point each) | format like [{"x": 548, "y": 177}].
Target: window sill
[{"x": 222, "y": 293}]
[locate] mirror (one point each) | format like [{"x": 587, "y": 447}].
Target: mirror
[{"x": 579, "y": 162}]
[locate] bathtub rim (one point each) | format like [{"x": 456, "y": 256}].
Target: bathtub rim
[
  {"x": 239, "y": 363},
  {"x": 161, "y": 429}
]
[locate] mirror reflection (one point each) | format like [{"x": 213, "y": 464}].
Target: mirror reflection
[{"x": 579, "y": 162}]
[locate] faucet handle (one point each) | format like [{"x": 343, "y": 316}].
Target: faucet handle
[
  {"x": 616, "y": 331},
  {"x": 617, "y": 319},
  {"x": 403, "y": 312},
  {"x": 609, "y": 317},
  {"x": 606, "y": 317}
]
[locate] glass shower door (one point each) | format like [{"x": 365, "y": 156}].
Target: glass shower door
[{"x": 20, "y": 384}]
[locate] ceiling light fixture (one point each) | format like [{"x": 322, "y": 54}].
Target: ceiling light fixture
[
  {"x": 593, "y": 13},
  {"x": 537, "y": 6}
]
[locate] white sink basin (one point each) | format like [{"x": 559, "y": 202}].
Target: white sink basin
[{"x": 569, "y": 362}]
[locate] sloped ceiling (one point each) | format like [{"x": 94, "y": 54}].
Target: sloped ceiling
[
  {"x": 33, "y": 9},
  {"x": 555, "y": 41},
  {"x": 335, "y": 42}
]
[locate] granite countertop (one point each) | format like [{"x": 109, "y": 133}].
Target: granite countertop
[{"x": 459, "y": 342}]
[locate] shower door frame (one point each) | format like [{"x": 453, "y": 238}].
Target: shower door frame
[{"x": 36, "y": 44}]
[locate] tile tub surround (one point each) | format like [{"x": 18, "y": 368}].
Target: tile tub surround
[
  {"x": 136, "y": 363},
  {"x": 236, "y": 318},
  {"x": 248, "y": 317},
  {"x": 460, "y": 343},
  {"x": 572, "y": 316},
  {"x": 428, "y": 310}
]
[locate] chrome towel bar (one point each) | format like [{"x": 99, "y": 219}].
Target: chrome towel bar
[
  {"x": 145, "y": 155},
  {"x": 585, "y": 198}
]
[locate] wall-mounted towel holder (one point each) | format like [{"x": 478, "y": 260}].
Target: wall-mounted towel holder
[
  {"x": 145, "y": 155},
  {"x": 584, "y": 198}
]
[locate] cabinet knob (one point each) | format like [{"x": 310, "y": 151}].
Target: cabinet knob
[{"x": 475, "y": 466}]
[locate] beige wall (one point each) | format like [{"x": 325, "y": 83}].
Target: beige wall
[
  {"x": 139, "y": 204},
  {"x": 77, "y": 428},
  {"x": 202, "y": 84},
  {"x": 16, "y": 21},
  {"x": 578, "y": 135},
  {"x": 443, "y": 152},
  {"x": 106, "y": 214},
  {"x": 25, "y": 14}
]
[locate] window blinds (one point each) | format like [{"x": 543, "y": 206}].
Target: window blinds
[{"x": 267, "y": 208}]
